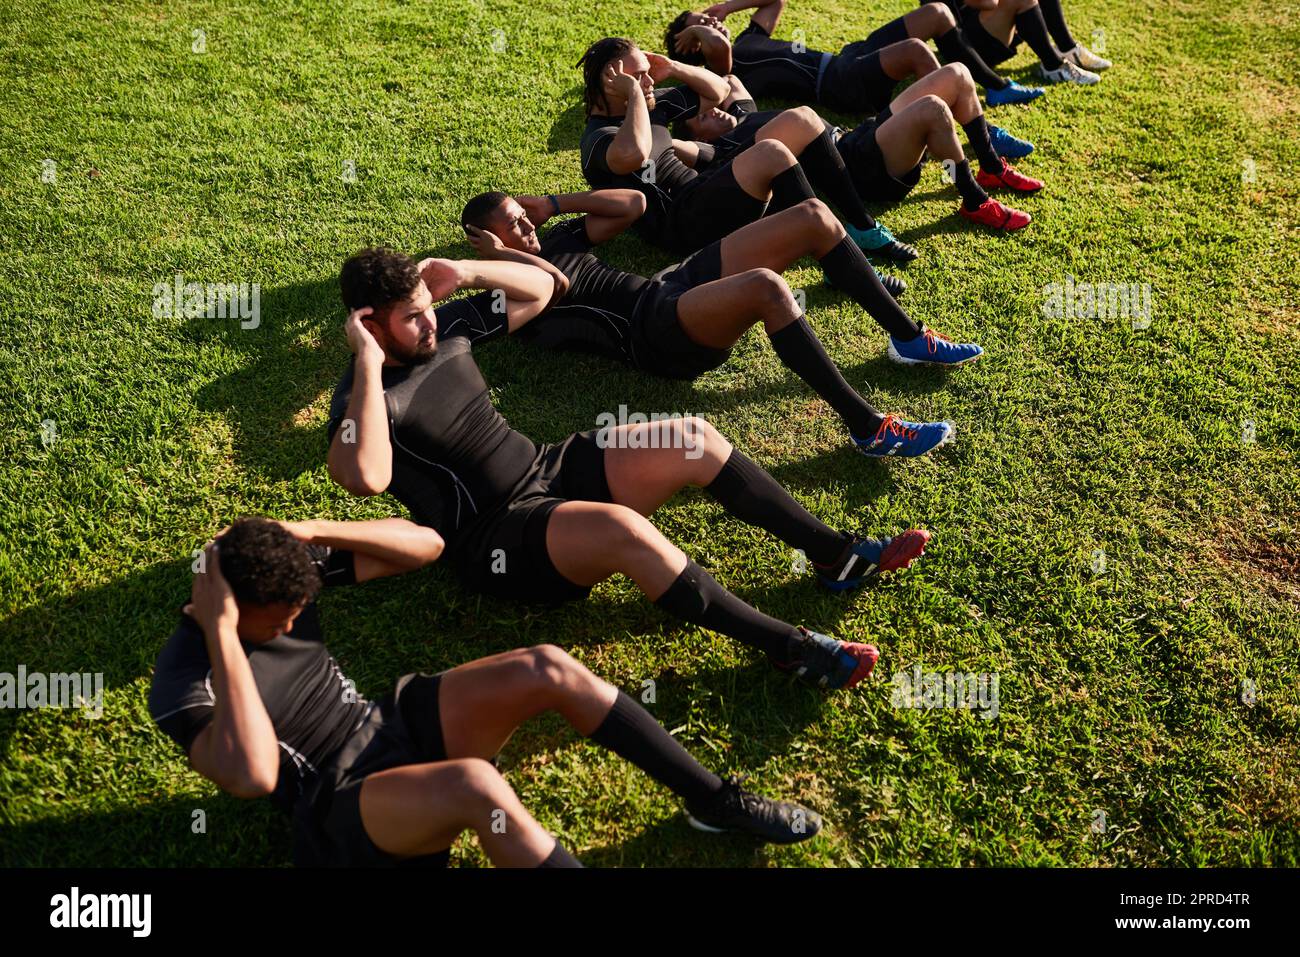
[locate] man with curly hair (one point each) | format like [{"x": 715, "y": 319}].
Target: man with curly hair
[{"x": 247, "y": 689}]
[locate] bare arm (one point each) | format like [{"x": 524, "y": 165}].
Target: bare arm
[
  {"x": 712, "y": 43},
  {"x": 238, "y": 750},
  {"x": 528, "y": 289},
  {"x": 688, "y": 151},
  {"x": 609, "y": 211},
  {"x": 631, "y": 146},
  {"x": 387, "y": 546},
  {"x": 488, "y": 245},
  {"x": 360, "y": 456},
  {"x": 767, "y": 13},
  {"x": 711, "y": 88}
]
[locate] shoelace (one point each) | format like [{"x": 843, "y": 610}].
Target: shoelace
[
  {"x": 930, "y": 336},
  {"x": 894, "y": 426}
]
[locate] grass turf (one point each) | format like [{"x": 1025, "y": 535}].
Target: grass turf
[{"x": 1120, "y": 692}]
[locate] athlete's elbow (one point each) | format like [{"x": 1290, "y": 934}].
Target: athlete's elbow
[
  {"x": 628, "y": 159},
  {"x": 359, "y": 480}
]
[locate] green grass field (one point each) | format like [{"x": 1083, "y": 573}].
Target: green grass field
[{"x": 1120, "y": 691}]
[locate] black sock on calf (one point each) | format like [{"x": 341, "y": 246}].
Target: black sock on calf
[
  {"x": 977, "y": 131},
  {"x": 694, "y": 596},
  {"x": 972, "y": 194},
  {"x": 1054, "y": 17},
  {"x": 848, "y": 270},
  {"x": 954, "y": 48},
  {"x": 824, "y": 166},
  {"x": 559, "y": 857},
  {"x": 1030, "y": 25},
  {"x": 789, "y": 188},
  {"x": 803, "y": 354},
  {"x": 754, "y": 497},
  {"x": 632, "y": 733}
]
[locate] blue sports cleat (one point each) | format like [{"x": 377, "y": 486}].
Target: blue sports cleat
[
  {"x": 881, "y": 242},
  {"x": 869, "y": 558},
  {"x": 904, "y": 439},
  {"x": 930, "y": 348},
  {"x": 1013, "y": 92},
  {"x": 1008, "y": 146}
]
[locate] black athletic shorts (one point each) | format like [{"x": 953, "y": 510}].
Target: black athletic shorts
[
  {"x": 400, "y": 729},
  {"x": 503, "y": 553},
  {"x": 867, "y": 168},
  {"x": 855, "y": 82},
  {"x": 660, "y": 346},
  {"x": 703, "y": 265},
  {"x": 708, "y": 208},
  {"x": 992, "y": 50}
]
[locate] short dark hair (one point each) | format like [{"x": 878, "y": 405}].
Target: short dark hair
[
  {"x": 695, "y": 58},
  {"x": 593, "y": 65},
  {"x": 479, "y": 210},
  {"x": 265, "y": 565},
  {"x": 377, "y": 278}
]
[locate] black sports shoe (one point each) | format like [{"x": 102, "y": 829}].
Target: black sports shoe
[{"x": 735, "y": 809}]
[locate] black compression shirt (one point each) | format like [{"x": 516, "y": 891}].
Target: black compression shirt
[
  {"x": 596, "y": 313},
  {"x": 663, "y": 173},
  {"x": 771, "y": 67},
  {"x": 310, "y": 706},
  {"x": 454, "y": 455}
]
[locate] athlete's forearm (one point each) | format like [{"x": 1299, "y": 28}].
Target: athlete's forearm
[
  {"x": 560, "y": 282},
  {"x": 711, "y": 88},
  {"x": 361, "y": 456},
  {"x": 603, "y": 202},
  {"x": 631, "y": 145},
  {"x": 239, "y": 751},
  {"x": 522, "y": 282},
  {"x": 395, "y": 541},
  {"x": 716, "y": 50}
]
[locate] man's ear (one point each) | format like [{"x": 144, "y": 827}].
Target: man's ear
[{"x": 374, "y": 327}]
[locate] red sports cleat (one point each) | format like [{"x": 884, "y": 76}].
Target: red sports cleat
[
  {"x": 1009, "y": 178},
  {"x": 992, "y": 213}
]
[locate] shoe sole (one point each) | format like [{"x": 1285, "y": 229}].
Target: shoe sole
[{"x": 905, "y": 361}]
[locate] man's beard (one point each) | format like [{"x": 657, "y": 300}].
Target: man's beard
[{"x": 417, "y": 356}]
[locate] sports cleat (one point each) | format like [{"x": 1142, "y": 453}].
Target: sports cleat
[
  {"x": 930, "y": 348},
  {"x": 735, "y": 809},
  {"x": 893, "y": 285},
  {"x": 881, "y": 242},
  {"x": 1012, "y": 147},
  {"x": 1069, "y": 73},
  {"x": 827, "y": 663},
  {"x": 992, "y": 213},
  {"x": 904, "y": 439},
  {"x": 870, "y": 558},
  {"x": 1013, "y": 92},
  {"x": 1009, "y": 178},
  {"x": 1081, "y": 56}
]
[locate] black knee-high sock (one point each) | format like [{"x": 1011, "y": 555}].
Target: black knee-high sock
[
  {"x": 1054, "y": 17},
  {"x": 825, "y": 169},
  {"x": 954, "y": 48},
  {"x": 789, "y": 188},
  {"x": 630, "y": 732},
  {"x": 972, "y": 194},
  {"x": 849, "y": 271},
  {"x": 1030, "y": 25},
  {"x": 754, "y": 497},
  {"x": 695, "y": 597},
  {"x": 977, "y": 131},
  {"x": 802, "y": 352},
  {"x": 559, "y": 857}
]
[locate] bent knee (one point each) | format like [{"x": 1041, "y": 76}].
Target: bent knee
[{"x": 935, "y": 109}]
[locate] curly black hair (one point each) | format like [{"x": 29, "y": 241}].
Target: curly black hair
[
  {"x": 694, "y": 58},
  {"x": 265, "y": 565},
  {"x": 593, "y": 64},
  {"x": 377, "y": 278}
]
